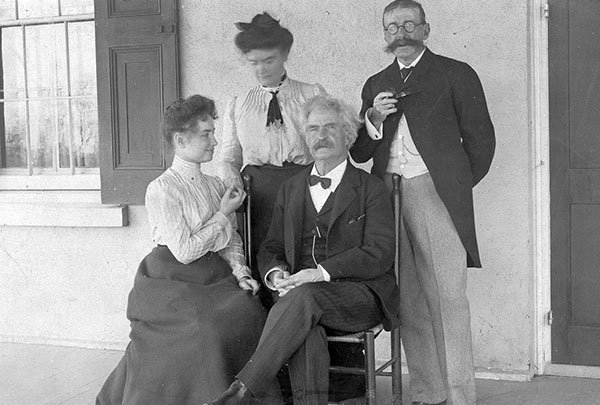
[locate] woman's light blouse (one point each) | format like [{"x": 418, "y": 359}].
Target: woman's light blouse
[
  {"x": 246, "y": 139},
  {"x": 183, "y": 211}
]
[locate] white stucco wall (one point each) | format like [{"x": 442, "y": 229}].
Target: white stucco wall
[{"x": 71, "y": 285}]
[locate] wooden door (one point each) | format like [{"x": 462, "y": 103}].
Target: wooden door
[{"x": 574, "y": 58}]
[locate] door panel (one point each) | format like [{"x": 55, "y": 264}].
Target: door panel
[
  {"x": 584, "y": 83},
  {"x": 574, "y": 55}
]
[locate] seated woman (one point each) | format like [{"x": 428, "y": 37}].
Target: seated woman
[{"x": 195, "y": 317}]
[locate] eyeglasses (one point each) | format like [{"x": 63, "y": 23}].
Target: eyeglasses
[{"x": 408, "y": 26}]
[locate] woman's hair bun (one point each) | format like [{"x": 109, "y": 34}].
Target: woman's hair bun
[
  {"x": 265, "y": 21},
  {"x": 262, "y": 32}
]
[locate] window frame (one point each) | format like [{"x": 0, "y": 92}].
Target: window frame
[{"x": 52, "y": 178}]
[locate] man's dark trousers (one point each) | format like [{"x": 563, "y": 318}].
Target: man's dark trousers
[{"x": 295, "y": 332}]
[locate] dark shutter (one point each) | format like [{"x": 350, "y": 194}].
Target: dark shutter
[{"x": 136, "y": 57}]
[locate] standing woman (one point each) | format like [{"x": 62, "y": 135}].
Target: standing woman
[
  {"x": 195, "y": 317},
  {"x": 263, "y": 137},
  {"x": 261, "y": 130}
]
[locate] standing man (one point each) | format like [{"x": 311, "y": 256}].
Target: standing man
[
  {"x": 329, "y": 255},
  {"x": 426, "y": 119}
]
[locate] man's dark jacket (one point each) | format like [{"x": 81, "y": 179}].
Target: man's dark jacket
[
  {"x": 360, "y": 238},
  {"x": 449, "y": 122}
]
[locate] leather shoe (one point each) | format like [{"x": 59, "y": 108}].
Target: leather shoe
[
  {"x": 236, "y": 394},
  {"x": 425, "y": 403}
]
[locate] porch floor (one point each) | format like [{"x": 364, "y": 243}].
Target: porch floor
[{"x": 38, "y": 374}]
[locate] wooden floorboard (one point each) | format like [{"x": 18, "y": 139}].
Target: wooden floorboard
[{"x": 53, "y": 375}]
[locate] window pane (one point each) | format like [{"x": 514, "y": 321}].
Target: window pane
[
  {"x": 85, "y": 132},
  {"x": 42, "y": 115},
  {"x": 82, "y": 57},
  {"x": 38, "y": 8},
  {"x": 76, "y": 7},
  {"x": 13, "y": 77},
  {"x": 62, "y": 114},
  {"x": 15, "y": 133},
  {"x": 46, "y": 61},
  {"x": 7, "y": 10}
]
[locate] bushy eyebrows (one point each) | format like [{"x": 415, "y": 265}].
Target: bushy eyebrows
[{"x": 330, "y": 124}]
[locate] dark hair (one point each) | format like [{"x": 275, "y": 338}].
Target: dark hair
[
  {"x": 263, "y": 32},
  {"x": 184, "y": 113},
  {"x": 405, "y": 4}
]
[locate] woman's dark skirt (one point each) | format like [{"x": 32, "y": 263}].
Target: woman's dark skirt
[{"x": 192, "y": 330}]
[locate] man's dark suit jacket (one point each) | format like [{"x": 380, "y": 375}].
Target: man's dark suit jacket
[
  {"x": 360, "y": 239},
  {"x": 450, "y": 125}
]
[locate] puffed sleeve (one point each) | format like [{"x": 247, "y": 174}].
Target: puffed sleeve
[
  {"x": 233, "y": 254},
  {"x": 164, "y": 204},
  {"x": 229, "y": 158}
]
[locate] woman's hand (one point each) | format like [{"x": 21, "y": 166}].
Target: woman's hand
[
  {"x": 232, "y": 199},
  {"x": 249, "y": 284}
]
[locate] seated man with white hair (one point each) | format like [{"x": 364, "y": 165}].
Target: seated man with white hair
[{"x": 328, "y": 255}]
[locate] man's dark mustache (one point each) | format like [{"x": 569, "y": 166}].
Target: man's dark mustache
[{"x": 402, "y": 42}]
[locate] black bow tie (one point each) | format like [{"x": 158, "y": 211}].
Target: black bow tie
[{"x": 325, "y": 181}]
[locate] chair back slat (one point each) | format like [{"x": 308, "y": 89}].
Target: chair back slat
[
  {"x": 397, "y": 219},
  {"x": 396, "y": 336},
  {"x": 247, "y": 179}
]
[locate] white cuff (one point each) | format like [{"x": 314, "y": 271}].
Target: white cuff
[
  {"x": 221, "y": 219},
  {"x": 374, "y": 133},
  {"x": 268, "y": 283},
  {"x": 326, "y": 275},
  {"x": 240, "y": 271}
]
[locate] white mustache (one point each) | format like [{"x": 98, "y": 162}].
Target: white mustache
[{"x": 321, "y": 143}]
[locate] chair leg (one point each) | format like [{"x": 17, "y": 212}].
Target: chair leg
[
  {"x": 396, "y": 367},
  {"x": 369, "y": 339}
]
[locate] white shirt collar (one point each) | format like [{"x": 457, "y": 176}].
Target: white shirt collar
[
  {"x": 414, "y": 62},
  {"x": 276, "y": 88},
  {"x": 187, "y": 169},
  {"x": 335, "y": 175}
]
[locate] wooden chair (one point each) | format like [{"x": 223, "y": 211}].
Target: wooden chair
[
  {"x": 367, "y": 337},
  {"x": 246, "y": 219}
]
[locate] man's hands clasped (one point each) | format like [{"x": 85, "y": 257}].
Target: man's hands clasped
[{"x": 283, "y": 281}]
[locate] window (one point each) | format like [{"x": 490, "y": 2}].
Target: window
[
  {"x": 83, "y": 85},
  {"x": 48, "y": 102}
]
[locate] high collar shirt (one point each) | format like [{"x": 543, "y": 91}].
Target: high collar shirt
[
  {"x": 413, "y": 63},
  {"x": 247, "y": 140},
  {"x": 319, "y": 194},
  {"x": 183, "y": 211}
]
